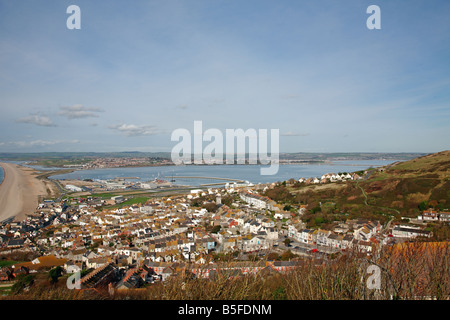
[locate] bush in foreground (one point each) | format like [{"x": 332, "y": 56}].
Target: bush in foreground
[{"x": 408, "y": 271}]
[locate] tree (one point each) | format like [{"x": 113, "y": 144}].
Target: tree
[
  {"x": 211, "y": 207},
  {"x": 227, "y": 200},
  {"x": 273, "y": 256},
  {"x": 216, "y": 229},
  {"x": 287, "y": 255},
  {"x": 287, "y": 242},
  {"x": 432, "y": 204},
  {"x": 422, "y": 206},
  {"x": 319, "y": 220},
  {"x": 316, "y": 209},
  {"x": 54, "y": 274},
  {"x": 280, "y": 194},
  {"x": 22, "y": 281}
]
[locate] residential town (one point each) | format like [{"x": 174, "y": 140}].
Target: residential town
[
  {"x": 111, "y": 162},
  {"x": 130, "y": 246},
  {"x": 331, "y": 177},
  {"x": 114, "y": 162}
]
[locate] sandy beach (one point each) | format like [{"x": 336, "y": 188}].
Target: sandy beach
[{"x": 19, "y": 192}]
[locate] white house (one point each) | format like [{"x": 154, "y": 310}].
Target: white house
[
  {"x": 335, "y": 240},
  {"x": 272, "y": 233},
  {"x": 363, "y": 233},
  {"x": 255, "y": 243},
  {"x": 322, "y": 237},
  {"x": 407, "y": 231},
  {"x": 257, "y": 200},
  {"x": 444, "y": 217},
  {"x": 304, "y": 235},
  {"x": 292, "y": 231}
]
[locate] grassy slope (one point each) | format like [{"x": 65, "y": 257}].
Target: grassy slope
[
  {"x": 396, "y": 191},
  {"x": 403, "y": 186}
]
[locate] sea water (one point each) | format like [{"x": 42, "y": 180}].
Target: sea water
[{"x": 250, "y": 173}]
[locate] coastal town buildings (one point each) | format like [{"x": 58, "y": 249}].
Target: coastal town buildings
[{"x": 128, "y": 246}]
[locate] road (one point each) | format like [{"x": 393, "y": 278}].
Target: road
[
  {"x": 6, "y": 284},
  {"x": 303, "y": 248}
]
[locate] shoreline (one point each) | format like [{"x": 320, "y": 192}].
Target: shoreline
[
  {"x": 333, "y": 162},
  {"x": 19, "y": 192},
  {"x": 4, "y": 175}
]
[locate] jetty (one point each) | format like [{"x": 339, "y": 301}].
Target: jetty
[{"x": 208, "y": 178}]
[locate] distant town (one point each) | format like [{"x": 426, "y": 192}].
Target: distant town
[{"x": 94, "y": 160}]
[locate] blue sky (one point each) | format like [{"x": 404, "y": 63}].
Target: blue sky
[{"x": 138, "y": 70}]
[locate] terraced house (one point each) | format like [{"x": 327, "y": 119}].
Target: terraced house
[{"x": 257, "y": 200}]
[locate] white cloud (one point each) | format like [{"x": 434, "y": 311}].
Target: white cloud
[
  {"x": 37, "y": 143},
  {"x": 135, "y": 130},
  {"x": 37, "y": 120},
  {"x": 77, "y": 111}
]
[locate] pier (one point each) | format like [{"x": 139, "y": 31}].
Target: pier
[{"x": 209, "y": 178}]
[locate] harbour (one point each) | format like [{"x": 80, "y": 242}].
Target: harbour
[{"x": 204, "y": 175}]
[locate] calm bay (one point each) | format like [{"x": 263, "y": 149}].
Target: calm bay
[{"x": 249, "y": 173}]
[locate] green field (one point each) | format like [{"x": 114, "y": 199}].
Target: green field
[
  {"x": 5, "y": 290},
  {"x": 130, "y": 202},
  {"x": 7, "y": 263}
]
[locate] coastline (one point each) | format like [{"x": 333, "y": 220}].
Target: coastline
[
  {"x": 19, "y": 192},
  {"x": 4, "y": 175}
]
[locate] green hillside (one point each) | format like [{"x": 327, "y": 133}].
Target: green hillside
[
  {"x": 408, "y": 185},
  {"x": 400, "y": 190},
  {"x": 432, "y": 165}
]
